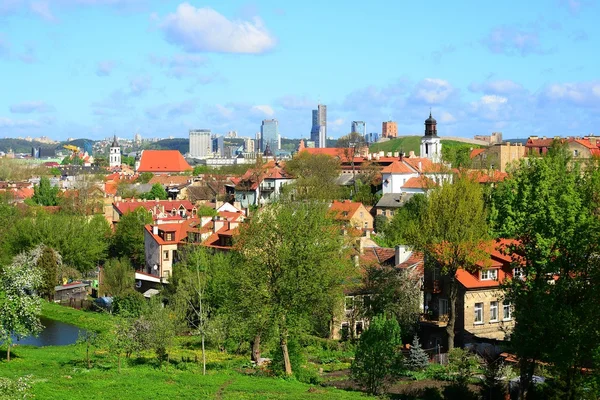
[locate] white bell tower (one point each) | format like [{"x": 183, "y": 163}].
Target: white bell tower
[
  {"x": 115, "y": 154},
  {"x": 431, "y": 145}
]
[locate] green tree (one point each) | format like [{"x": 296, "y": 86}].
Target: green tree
[
  {"x": 417, "y": 357},
  {"x": 144, "y": 177},
  {"x": 45, "y": 194},
  {"x": 55, "y": 171},
  {"x": 157, "y": 192},
  {"x": 118, "y": 277},
  {"x": 450, "y": 233},
  {"x": 315, "y": 175},
  {"x": 462, "y": 366},
  {"x": 292, "y": 256},
  {"x": 378, "y": 358},
  {"x": 129, "y": 236},
  {"x": 163, "y": 325},
  {"x": 405, "y": 219},
  {"x": 48, "y": 263},
  {"x": 550, "y": 206},
  {"x": 20, "y": 306}
]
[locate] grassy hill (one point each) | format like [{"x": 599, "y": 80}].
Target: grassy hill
[
  {"x": 412, "y": 143},
  {"x": 20, "y": 145},
  {"x": 181, "y": 144}
]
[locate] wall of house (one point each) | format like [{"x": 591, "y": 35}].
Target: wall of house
[
  {"x": 578, "y": 150},
  {"x": 364, "y": 221},
  {"x": 166, "y": 264},
  {"x": 246, "y": 199},
  {"x": 487, "y": 329},
  {"x": 504, "y": 155},
  {"x": 152, "y": 253},
  {"x": 395, "y": 182}
]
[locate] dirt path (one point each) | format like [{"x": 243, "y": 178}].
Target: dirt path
[{"x": 222, "y": 388}]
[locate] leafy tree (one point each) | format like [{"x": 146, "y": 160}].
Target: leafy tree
[
  {"x": 404, "y": 220},
  {"x": 55, "y": 171},
  {"x": 157, "y": 192},
  {"x": 128, "y": 161},
  {"x": 417, "y": 357},
  {"x": 163, "y": 326},
  {"x": 45, "y": 194},
  {"x": 129, "y": 236},
  {"x": 351, "y": 140},
  {"x": 395, "y": 295},
  {"x": 20, "y": 306},
  {"x": 292, "y": 256},
  {"x": 118, "y": 277},
  {"x": 18, "y": 389},
  {"x": 457, "y": 155},
  {"x": 378, "y": 357},
  {"x": 129, "y": 304},
  {"x": 462, "y": 365},
  {"x": 48, "y": 263},
  {"x": 101, "y": 161},
  {"x": 206, "y": 211},
  {"x": 144, "y": 177},
  {"x": 201, "y": 169},
  {"x": 89, "y": 339},
  {"x": 550, "y": 206},
  {"x": 316, "y": 177},
  {"x": 81, "y": 241},
  {"x": 450, "y": 232}
]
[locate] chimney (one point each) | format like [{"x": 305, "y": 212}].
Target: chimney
[
  {"x": 381, "y": 153},
  {"x": 369, "y": 156},
  {"x": 155, "y": 229},
  {"x": 356, "y": 261},
  {"x": 420, "y": 166},
  {"x": 402, "y": 254},
  {"x": 218, "y": 224},
  {"x": 204, "y": 220},
  {"x": 389, "y": 154},
  {"x": 396, "y": 154}
]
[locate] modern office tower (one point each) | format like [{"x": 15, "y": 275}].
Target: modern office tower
[
  {"x": 359, "y": 127},
  {"x": 218, "y": 146},
  {"x": 318, "y": 133},
  {"x": 137, "y": 138},
  {"x": 389, "y": 129},
  {"x": 200, "y": 143},
  {"x": 269, "y": 134}
]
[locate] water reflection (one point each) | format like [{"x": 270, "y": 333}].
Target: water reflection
[{"x": 55, "y": 333}]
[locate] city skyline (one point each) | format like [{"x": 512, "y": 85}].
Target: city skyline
[{"x": 81, "y": 68}]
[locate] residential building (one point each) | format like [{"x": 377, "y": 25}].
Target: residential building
[
  {"x": 318, "y": 133},
  {"x": 161, "y": 210},
  {"x": 137, "y": 139},
  {"x": 352, "y": 214},
  {"x": 431, "y": 145},
  {"x": 494, "y": 138},
  {"x": 249, "y": 145},
  {"x": 500, "y": 156},
  {"x": 413, "y": 175},
  {"x": 114, "y": 154},
  {"x": 482, "y": 313},
  {"x": 389, "y": 203},
  {"x": 200, "y": 143},
  {"x": 260, "y": 186},
  {"x": 359, "y": 127},
  {"x": 162, "y": 162},
  {"x": 269, "y": 135},
  {"x": 389, "y": 129}
]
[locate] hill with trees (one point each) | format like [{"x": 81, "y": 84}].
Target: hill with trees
[{"x": 407, "y": 144}]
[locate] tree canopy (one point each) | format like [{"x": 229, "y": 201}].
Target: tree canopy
[
  {"x": 45, "y": 194},
  {"x": 316, "y": 176},
  {"x": 128, "y": 240}
]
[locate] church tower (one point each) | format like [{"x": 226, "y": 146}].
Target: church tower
[
  {"x": 115, "y": 154},
  {"x": 431, "y": 146}
]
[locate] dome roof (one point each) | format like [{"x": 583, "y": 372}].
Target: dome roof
[
  {"x": 115, "y": 143},
  {"x": 430, "y": 120}
]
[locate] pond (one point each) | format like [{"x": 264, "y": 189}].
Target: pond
[{"x": 55, "y": 333}]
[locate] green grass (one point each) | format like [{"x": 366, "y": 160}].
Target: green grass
[
  {"x": 408, "y": 143},
  {"x": 59, "y": 372}
]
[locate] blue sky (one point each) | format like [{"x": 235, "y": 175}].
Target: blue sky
[{"x": 91, "y": 68}]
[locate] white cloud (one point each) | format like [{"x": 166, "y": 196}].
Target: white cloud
[
  {"x": 104, "y": 68},
  {"x": 432, "y": 91},
  {"x": 31, "y": 107},
  {"x": 205, "y": 30},
  {"x": 447, "y": 118},
  {"x": 505, "y": 86},
  {"x": 13, "y": 123},
  {"x": 263, "y": 109},
  {"x": 42, "y": 9}
]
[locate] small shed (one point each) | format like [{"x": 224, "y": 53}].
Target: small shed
[{"x": 71, "y": 291}]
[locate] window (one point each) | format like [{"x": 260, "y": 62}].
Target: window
[
  {"x": 518, "y": 273},
  {"x": 489, "y": 275},
  {"x": 169, "y": 236},
  {"x": 493, "y": 311},
  {"x": 443, "y": 306},
  {"x": 479, "y": 313},
  {"x": 506, "y": 310},
  {"x": 166, "y": 255},
  {"x": 349, "y": 303},
  {"x": 361, "y": 215},
  {"x": 575, "y": 153},
  {"x": 359, "y": 328}
]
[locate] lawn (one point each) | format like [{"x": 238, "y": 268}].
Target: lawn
[
  {"x": 60, "y": 372},
  {"x": 408, "y": 143}
]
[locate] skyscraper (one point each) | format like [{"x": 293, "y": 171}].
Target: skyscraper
[
  {"x": 269, "y": 134},
  {"x": 200, "y": 143},
  {"x": 318, "y": 133},
  {"x": 359, "y": 127},
  {"x": 389, "y": 129}
]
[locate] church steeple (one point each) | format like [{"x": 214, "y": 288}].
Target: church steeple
[
  {"x": 431, "y": 146},
  {"x": 430, "y": 126}
]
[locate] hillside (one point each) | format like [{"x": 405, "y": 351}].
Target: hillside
[
  {"x": 20, "y": 145},
  {"x": 411, "y": 143},
  {"x": 181, "y": 144}
]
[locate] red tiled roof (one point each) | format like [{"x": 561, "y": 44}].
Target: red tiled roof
[
  {"x": 163, "y": 161},
  {"x": 127, "y": 206},
  {"x": 170, "y": 180},
  {"x": 539, "y": 142},
  {"x": 419, "y": 182},
  {"x": 344, "y": 210},
  {"x": 476, "y": 152},
  {"x": 483, "y": 176},
  {"x": 499, "y": 260},
  {"x": 398, "y": 167}
]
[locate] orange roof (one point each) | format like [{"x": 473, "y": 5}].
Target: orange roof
[
  {"x": 398, "y": 167},
  {"x": 419, "y": 182},
  {"x": 378, "y": 255},
  {"x": 170, "y": 180},
  {"x": 483, "y": 176},
  {"x": 476, "y": 152},
  {"x": 498, "y": 260},
  {"x": 127, "y": 206},
  {"x": 163, "y": 161},
  {"x": 180, "y": 230},
  {"x": 344, "y": 210}
]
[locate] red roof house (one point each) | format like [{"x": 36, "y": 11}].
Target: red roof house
[{"x": 162, "y": 162}]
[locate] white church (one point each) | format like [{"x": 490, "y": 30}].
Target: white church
[{"x": 115, "y": 154}]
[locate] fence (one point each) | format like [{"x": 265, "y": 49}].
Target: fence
[
  {"x": 77, "y": 304},
  {"x": 436, "y": 357}
]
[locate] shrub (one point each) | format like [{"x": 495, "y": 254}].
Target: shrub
[
  {"x": 129, "y": 304},
  {"x": 15, "y": 389},
  {"x": 378, "y": 358},
  {"x": 417, "y": 357}
]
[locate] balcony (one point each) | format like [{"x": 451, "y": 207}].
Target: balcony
[
  {"x": 267, "y": 186},
  {"x": 432, "y": 286},
  {"x": 439, "y": 320}
]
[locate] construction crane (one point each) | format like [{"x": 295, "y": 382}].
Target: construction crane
[{"x": 74, "y": 149}]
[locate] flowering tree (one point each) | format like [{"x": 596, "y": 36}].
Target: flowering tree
[{"x": 20, "y": 306}]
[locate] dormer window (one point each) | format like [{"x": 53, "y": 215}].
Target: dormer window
[
  {"x": 489, "y": 275},
  {"x": 518, "y": 273}
]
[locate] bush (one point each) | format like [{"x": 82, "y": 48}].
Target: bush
[
  {"x": 378, "y": 358},
  {"x": 15, "y": 389},
  {"x": 129, "y": 304}
]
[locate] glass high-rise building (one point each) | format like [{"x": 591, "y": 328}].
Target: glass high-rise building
[
  {"x": 269, "y": 134},
  {"x": 318, "y": 133},
  {"x": 359, "y": 127}
]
